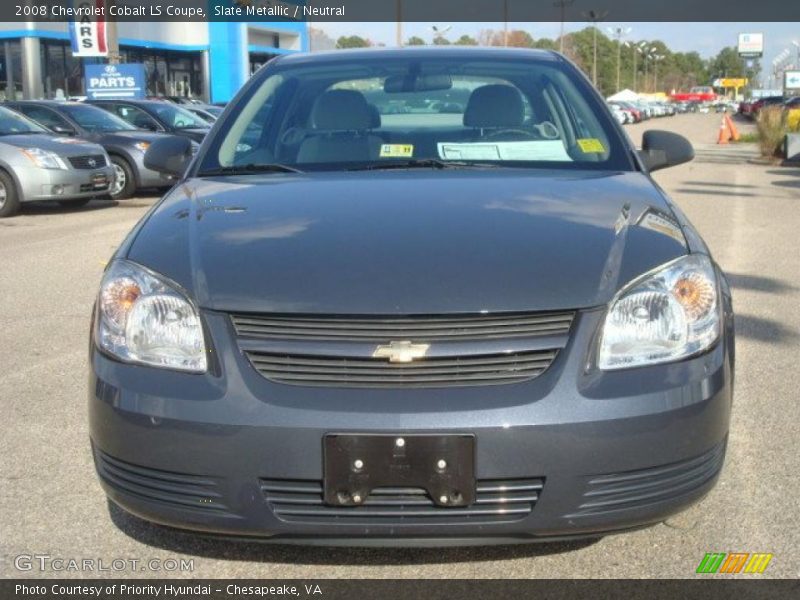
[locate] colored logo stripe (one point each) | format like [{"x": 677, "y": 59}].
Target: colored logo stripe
[
  {"x": 757, "y": 563},
  {"x": 711, "y": 562},
  {"x": 721, "y": 562}
]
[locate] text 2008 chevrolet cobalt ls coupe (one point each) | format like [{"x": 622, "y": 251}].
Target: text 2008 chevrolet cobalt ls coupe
[{"x": 422, "y": 296}]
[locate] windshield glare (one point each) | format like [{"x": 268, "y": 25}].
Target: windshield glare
[
  {"x": 178, "y": 117},
  {"x": 95, "y": 119},
  {"x": 367, "y": 113},
  {"x": 12, "y": 123}
]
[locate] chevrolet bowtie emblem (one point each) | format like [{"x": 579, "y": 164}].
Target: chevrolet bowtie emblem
[{"x": 401, "y": 352}]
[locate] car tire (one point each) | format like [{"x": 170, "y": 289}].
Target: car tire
[
  {"x": 124, "y": 173},
  {"x": 75, "y": 203},
  {"x": 9, "y": 200}
]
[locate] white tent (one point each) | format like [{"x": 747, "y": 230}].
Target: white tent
[{"x": 624, "y": 96}]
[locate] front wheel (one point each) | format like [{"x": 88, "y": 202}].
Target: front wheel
[
  {"x": 124, "y": 183},
  {"x": 9, "y": 201}
]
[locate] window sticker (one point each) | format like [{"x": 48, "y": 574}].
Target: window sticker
[
  {"x": 397, "y": 151},
  {"x": 591, "y": 146},
  {"x": 525, "y": 150}
]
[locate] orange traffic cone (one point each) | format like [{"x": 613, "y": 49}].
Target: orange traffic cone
[
  {"x": 732, "y": 128},
  {"x": 724, "y": 134}
]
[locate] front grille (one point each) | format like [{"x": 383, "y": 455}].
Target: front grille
[
  {"x": 153, "y": 485},
  {"x": 419, "y": 329},
  {"x": 496, "y": 500},
  {"x": 90, "y": 161},
  {"x": 376, "y": 372},
  {"x": 640, "y": 488}
]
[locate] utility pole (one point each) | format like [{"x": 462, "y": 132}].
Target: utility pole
[
  {"x": 594, "y": 17},
  {"x": 656, "y": 59},
  {"x": 562, "y": 4},
  {"x": 619, "y": 33},
  {"x": 112, "y": 36},
  {"x": 399, "y": 22},
  {"x": 505, "y": 22}
]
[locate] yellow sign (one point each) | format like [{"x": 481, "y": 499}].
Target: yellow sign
[
  {"x": 591, "y": 146},
  {"x": 733, "y": 83},
  {"x": 397, "y": 150}
]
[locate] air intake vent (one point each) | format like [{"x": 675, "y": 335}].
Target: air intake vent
[
  {"x": 375, "y": 372},
  {"x": 496, "y": 501}
]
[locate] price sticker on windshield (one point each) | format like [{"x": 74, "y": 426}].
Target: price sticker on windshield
[
  {"x": 397, "y": 151},
  {"x": 591, "y": 146}
]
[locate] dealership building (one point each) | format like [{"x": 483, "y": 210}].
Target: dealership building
[{"x": 208, "y": 61}]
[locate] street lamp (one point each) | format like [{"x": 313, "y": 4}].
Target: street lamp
[
  {"x": 594, "y": 17},
  {"x": 619, "y": 33},
  {"x": 656, "y": 59},
  {"x": 562, "y": 4},
  {"x": 646, "y": 53}
]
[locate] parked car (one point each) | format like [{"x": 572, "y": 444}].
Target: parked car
[
  {"x": 207, "y": 112},
  {"x": 124, "y": 143},
  {"x": 620, "y": 115},
  {"x": 406, "y": 331},
  {"x": 633, "y": 112},
  {"x": 158, "y": 116},
  {"x": 36, "y": 164},
  {"x": 757, "y": 106}
]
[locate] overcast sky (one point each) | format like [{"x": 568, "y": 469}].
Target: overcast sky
[{"x": 705, "y": 38}]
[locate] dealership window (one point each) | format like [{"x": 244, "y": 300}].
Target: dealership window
[
  {"x": 168, "y": 72},
  {"x": 10, "y": 70},
  {"x": 259, "y": 59},
  {"x": 62, "y": 73}
]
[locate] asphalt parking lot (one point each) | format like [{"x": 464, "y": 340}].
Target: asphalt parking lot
[{"x": 51, "y": 503}]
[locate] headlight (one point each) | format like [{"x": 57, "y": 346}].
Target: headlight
[
  {"x": 43, "y": 158},
  {"x": 142, "y": 318},
  {"x": 141, "y": 146},
  {"x": 665, "y": 315}
]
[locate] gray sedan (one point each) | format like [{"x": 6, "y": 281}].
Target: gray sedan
[
  {"x": 124, "y": 143},
  {"x": 37, "y": 165}
]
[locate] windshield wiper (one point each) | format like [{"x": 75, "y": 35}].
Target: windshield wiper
[
  {"x": 249, "y": 169},
  {"x": 422, "y": 163}
]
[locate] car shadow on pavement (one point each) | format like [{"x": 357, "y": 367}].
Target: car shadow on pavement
[
  {"x": 765, "y": 330},
  {"x": 219, "y": 548},
  {"x": 758, "y": 283},
  {"x": 56, "y": 208}
]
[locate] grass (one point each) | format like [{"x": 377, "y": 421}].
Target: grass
[
  {"x": 771, "y": 130},
  {"x": 748, "y": 138}
]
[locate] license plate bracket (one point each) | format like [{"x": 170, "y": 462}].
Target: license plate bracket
[{"x": 356, "y": 464}]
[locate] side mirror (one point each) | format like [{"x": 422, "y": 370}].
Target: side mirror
[
  {"x": 63, "y": 130},
  {"x": 169, "y": 155},
  {"x": 662, "y": 149}
]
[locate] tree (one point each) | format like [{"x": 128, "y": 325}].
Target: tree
[
  {"x": 352, "y": 41},
  {"x": 440, "y": 40},
  {"x": 415, "y": 40},
  {"x": 466, "y": 40}
]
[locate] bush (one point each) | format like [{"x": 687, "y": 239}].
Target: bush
[{"x": 771, "y": 130}]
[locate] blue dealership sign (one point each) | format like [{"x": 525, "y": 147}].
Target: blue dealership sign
[{"x": 115, "y": 81}]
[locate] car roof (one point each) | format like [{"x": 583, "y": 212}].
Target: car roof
[{"x": 460, "y": 52}]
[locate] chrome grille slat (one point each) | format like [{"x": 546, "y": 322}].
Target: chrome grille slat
[
  {"x": 418, "y": 328},
  {"x": 514, "y": 501}
]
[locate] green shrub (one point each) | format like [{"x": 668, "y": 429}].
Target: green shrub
[{"x": 771, "y": 126}]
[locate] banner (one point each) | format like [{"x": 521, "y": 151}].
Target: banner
[{"x": 88, "y": 29}]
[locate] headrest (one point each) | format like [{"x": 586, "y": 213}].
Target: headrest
[
  {"x": 341, "y": 110},
  {"x": 494, "y": 106},
  {"x": 375, "y": 117}
]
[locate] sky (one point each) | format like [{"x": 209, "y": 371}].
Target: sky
[{"x": 705, "y": 38}]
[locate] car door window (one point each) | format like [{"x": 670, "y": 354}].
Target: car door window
[
  {"x": 136, "y": 117},
  {"x": 45, "y": 116}
]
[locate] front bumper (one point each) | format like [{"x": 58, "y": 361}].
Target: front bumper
[
  {"x": 37, "y": 184},
  {"x": 590, "y": 452}
]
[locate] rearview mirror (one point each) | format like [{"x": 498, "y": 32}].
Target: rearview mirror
[
  {"x": 169, "y": 155},
  {"x": 662, "y": 149},
  {"x": 398, "y": 84}
]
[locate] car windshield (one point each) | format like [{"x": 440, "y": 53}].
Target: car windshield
[
  {"x": 12, "y": 123},
  {"x": 178, "y": 117},
  {"x": 431, "y": 111},
  {"x": 95, "y": 119}
]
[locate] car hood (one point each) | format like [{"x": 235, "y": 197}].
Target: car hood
[
  {"x": 63, "y": 146},
  {"x": 409, "y": 242}
]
